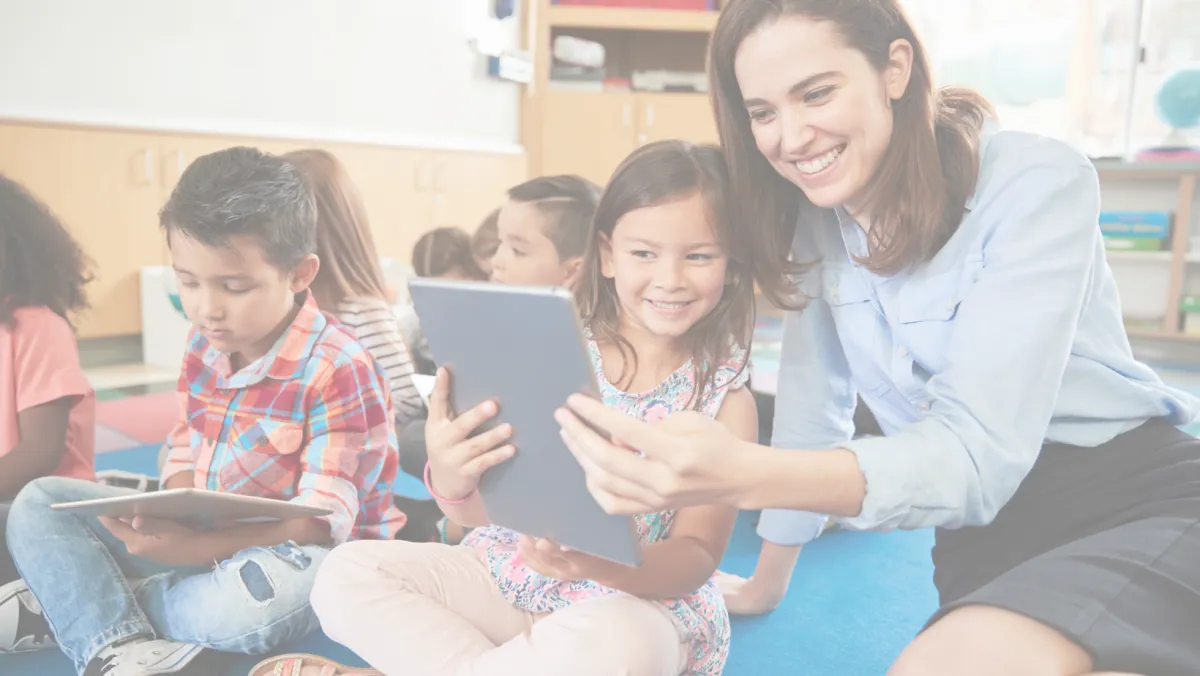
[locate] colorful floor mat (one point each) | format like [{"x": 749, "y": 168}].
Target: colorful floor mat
[{"x": 132, "y": 417}]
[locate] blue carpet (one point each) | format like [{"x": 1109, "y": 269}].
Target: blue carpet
[{"x": 854, "y": 603}]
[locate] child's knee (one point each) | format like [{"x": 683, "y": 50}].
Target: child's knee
[
  {"x": 32, "y": 502},
  {"x": 346, "y": 568},
  {"x": 346, "y": 565},
  {"x": 280, "y": 575}
]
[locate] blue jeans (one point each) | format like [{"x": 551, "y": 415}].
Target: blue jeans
[{"x": 81, "y": 575}]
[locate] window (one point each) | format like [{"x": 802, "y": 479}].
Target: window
[
  {"x": 1063, "y": 68},
  {"x": 1171, "y": 36}
]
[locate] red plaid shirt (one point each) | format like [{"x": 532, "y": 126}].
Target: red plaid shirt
[{"x": 310, "y": 423}]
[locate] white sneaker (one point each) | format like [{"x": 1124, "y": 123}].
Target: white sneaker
[
  {"x": 149, "y": 657},
  {"x": 23, "y": 628}
]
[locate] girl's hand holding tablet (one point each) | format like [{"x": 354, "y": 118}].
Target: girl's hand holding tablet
[{"x": 456, "y": 458}]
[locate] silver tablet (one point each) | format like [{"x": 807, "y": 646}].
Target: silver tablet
[
  {"x": 524, "y": 347},
  {"x": 193, "y": 506}
]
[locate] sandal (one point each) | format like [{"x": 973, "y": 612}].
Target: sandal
[{"x": 303, "y": 664}]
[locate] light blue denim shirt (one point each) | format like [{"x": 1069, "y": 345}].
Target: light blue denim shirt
[{"x": 1009, "y": 337}]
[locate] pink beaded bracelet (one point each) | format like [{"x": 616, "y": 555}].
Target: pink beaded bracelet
[{"x": 429, "y": 487}]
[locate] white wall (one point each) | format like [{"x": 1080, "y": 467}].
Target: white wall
[{"x": 380, "y": 71}]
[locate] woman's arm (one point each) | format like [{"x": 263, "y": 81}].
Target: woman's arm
[
  {"x": 684, "y": 561},
  {"x": 991, "y": 403}
]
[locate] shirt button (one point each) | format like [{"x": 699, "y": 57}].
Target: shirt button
[
  {"x": 903, "y": 352},
  {"x": 925, "y": 405}
]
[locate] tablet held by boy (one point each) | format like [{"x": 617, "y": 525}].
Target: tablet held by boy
[{"x": 280, "y": 403}]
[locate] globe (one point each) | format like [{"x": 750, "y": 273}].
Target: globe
[{"x": 1178, "y": 99}]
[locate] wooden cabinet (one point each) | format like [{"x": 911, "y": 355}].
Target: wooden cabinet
[
  {"x": 108, "y": 187},
  {"x": 587, "y": 133},
  {"x": 105, "y": 186},
  {"x": 670, "y": 116},
  {"x": 590, "y": 133}
]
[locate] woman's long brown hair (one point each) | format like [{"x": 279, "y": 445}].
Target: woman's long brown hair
[
  {"x": 918, "y": 193},
  {"x": 660, "y": 173},
  {"x": 349, "y": 262}
]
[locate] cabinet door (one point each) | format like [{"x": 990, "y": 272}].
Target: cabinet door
[
  {"x": 394, "y": 184},
  {"x": 466, "y": 187},
  {"x": 105, "y": 186},
  {"x": 179, "y": 151},
  {"x": 586, "y": 133},
  {"x": 683, "y": 116}
]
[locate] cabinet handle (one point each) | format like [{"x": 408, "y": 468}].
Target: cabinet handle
[
  {"x": 438, "y": 187},
  {"x": 649, "y": 114},
  {"x": 626, "y": 114},
  {"x": 419, "y": 184},
  {"x": 147, "y": 176}
]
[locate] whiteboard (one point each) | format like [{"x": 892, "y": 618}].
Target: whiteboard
[{"x": 393, "y": 72}]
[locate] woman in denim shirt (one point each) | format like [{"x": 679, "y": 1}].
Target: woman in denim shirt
[{"x": 954, "y": 276}]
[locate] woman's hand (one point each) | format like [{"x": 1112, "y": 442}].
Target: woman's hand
[
  {"x": 687, "y": 459},
  {"x": 748, "y": 595},
  {"x": 457, "y": 459},
  {"x": 554, "y": 561}
]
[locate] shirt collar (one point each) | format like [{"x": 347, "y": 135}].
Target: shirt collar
[
  {"x": 985, "y": 138},
  {"x": 287, "y": 358},
  {"x": 854, "y": 237}
]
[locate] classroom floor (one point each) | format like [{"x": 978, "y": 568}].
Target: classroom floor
[{"x": 855, "y": 600}]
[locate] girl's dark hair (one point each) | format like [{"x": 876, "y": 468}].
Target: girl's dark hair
[
  {"x": 41, "y": 264},
  {"x": 661, "y": 173},
  {"x": 920, "y": 188},
  {"x": 444, "y": 250}
]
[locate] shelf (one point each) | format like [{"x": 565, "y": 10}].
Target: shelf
[
  {"x": 632, "y": 19},
  {"x": 1146, "y": 169},
  {"x": 1163, "y": 335},
  {"x": 1138, "y": 256}
]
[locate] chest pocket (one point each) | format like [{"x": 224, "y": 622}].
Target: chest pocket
[
  {"x": 926, "y": 308},
  {"x": 263, "y": 457},
  {"x": 844, "y": 287},
  {"x": 935, "y": 298}
]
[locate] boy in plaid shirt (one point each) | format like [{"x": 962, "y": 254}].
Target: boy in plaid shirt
[{"x": 281, "y": 402}]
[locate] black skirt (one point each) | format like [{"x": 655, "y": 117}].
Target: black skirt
[{"x": 1102, "y": 544}]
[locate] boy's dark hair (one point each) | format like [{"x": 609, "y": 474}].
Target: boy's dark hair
[
  {"x": 569, "y": 202},
  {"x": 444, "y": 250},
  {"x": 41, "y": 264},
  {"x": 244, "y": 191}
]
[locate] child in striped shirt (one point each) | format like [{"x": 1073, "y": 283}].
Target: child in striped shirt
[{"x": 350, "y": 283}]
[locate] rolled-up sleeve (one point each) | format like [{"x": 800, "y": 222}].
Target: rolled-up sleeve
[
  {"x": 814, "y": 406},
  {"x": 348, "y": 428},
  {"x": 1004, "y": 362}
]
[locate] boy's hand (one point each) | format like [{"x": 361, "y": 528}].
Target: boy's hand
[
  {"x": 552, "y": 560},
  {"x": 167, "y": 542},
  {"x": 456, "y": 459}
]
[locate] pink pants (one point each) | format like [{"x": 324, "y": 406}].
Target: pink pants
[{"x": 424, "y": 609}]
